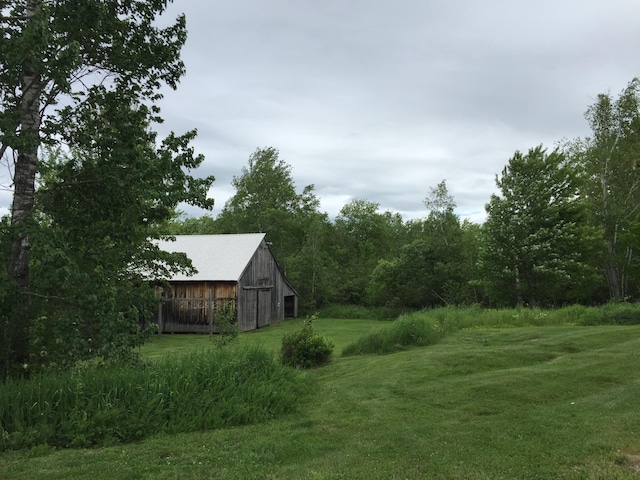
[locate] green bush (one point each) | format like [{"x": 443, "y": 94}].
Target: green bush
[
  {"x": 110, "y": 405},
  {"x": 304, "y": 348}
]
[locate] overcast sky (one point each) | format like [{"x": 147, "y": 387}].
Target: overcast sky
[{"x": 381, "y": 100}]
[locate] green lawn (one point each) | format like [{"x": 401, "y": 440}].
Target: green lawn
[
  {"x": 515, "y": 403},
  {"x": 342, "y": 332}
]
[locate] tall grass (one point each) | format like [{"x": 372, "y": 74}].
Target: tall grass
[
  {"x": 109, "y": 405},
  {"x": 427, "y": 327},
  {"x": 408, "y": 331},
  {"x": 359, "y": 312}
]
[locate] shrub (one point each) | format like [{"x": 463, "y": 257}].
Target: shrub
[{"x": 304, "y": 348}]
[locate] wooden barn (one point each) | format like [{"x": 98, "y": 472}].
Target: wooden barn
[{"x": 237, "y": 274}]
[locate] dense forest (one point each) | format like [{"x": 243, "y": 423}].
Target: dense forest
[{"x": 94, "y": 186}]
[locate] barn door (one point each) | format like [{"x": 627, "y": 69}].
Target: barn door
[{"x": 264, "y": 308}]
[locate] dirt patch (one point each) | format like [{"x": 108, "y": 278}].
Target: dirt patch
[{"x": 633, "y": 461}]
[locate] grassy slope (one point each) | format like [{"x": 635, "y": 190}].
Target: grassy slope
[{"x": 531, "y": 402}]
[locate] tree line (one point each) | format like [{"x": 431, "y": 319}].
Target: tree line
[
  {"x": 94, "y": 185},
  {"x": 564, "y": 229}
]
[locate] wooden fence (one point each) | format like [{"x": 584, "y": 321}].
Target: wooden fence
[{"x": 195, "y": 315}]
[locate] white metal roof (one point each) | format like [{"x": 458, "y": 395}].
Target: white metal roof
[{"x": 216, "y": 257}]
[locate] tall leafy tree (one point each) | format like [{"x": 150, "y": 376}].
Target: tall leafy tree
[
  {"x": 433, "y": 269},
  {"x": 99, "y": 209},
  {"x": 534, "y": 239},
  {"x": 610, "y": 162},
  {"x": 266, "y": 201},
  {"x": 311, "y": 268},
  {"x": 363, "y": 237},
  {"x": 64, "y": 63}
]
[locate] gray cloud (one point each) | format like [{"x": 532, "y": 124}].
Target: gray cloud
[{"x": 382, "y": 99}]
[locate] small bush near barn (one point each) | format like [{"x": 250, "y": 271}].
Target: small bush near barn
[{"x": 304, "y": 348}]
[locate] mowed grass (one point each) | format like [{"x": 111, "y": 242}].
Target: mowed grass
[
  {"x": 341, "y": 332},
  {"x": 534, "y": 402}
]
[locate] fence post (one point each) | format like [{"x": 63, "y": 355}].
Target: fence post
[
  {"x": 160, "y": 319},
  {"x": 210, "y": 313}
]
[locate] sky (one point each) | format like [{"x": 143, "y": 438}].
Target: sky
[{"x": 381, "y": 100}]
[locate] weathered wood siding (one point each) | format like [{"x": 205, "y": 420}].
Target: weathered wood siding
[
  {"x": 187, "y": 307},
  {"x": 262, "y": 290},
  {"x": 201, "y": 289}
]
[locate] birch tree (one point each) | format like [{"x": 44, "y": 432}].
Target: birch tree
[
  {"x": 61, "y": 61},
  {"x": 611, "y": 161}
]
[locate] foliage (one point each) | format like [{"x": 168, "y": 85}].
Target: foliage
[
  {"x": 118, "y": 404},
  {"x": 182, "y": 224},
  {"x": 610, "y": 164},
  {"x": 311, "y": 267},
  {"x": 226, "y": 322},
  {"x": 535, "y": 239},
  {"x": 363, "y": 237},
  {"x": 304, "y": 348},
  {"x": 63, "y": 64},
  {"x": 472, "y": 317},
  {"x": 359, "y": 312},
  {"x": 435, "y": 268},
  {"x": 266, "y": 201},
  {"x": 98, "y": 216},
  {"x": 81, "y": 77}
]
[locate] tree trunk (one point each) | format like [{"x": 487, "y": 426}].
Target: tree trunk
[
  {"x": 518, "y": 287},
  {"x": 23, "y": 197},
  {"x": 612, "y": 272}
]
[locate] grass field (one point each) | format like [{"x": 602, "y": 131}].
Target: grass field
[{"x": 531, "y": 402}]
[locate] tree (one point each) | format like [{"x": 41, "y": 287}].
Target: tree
[
  {"x": 433, "y": 269},
  {"x": 266, "y": 201},
  {"x": 311, "y": 268},
  {"x": 183, "y": 224},
  {"x": 535, "y": 240},
  {"x": 363, "y": 237},
  {"x": 64, "y": 63},
  {"x": 440, "y": 203},
  {"x": 610, "y": 162},
  {"x": 99, "y": 210}
]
